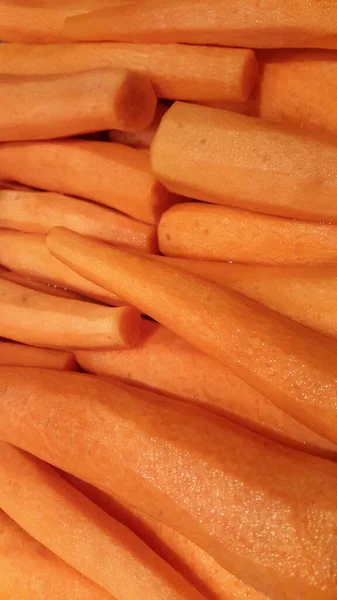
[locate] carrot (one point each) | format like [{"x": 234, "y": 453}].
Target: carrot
[
  {"x": 19, "y": 355},
  {"x": 176, "y": 71},
  {"x": 196, "y": 473},
  {"x": 26, "y": 566},
  {"x": 27, "y": 255},
  {"x": 289, "y": 364},
  {"x": 42, "y": 320},
  {"x": 111, "y": 174},
  {"x": 226, "y": 158},
  {"x": 220, "y": 233},
  {"x": 46, "y": 288},
  {"x": 142, "y": 139},
  {"x": 37, "y": 212},
  {"x": 200, "y": 380}
]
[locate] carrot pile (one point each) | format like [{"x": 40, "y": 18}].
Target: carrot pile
[{"x": 168, "y": 300}]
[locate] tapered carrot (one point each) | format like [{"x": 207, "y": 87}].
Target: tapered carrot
[
  {"x": 165, "y": 363},
  {"x": 187, "y": 468},
  {"x": 226, "y": 158},
  {"x": 289, "y": 364},
  {"x": 142, "y": 139},
  {"x": 42, "y": 320},
  {"x": 19, "y": 355},
  {"x": 80, "y": 533},
  {"x": 37, "y": 212},
  {"x": 221, "y": 233},
  {"x": 176, "y": 71},
  {"x": 27, "y": 254},
  {"x": 111, "y": 174},
  {"x": 46, "y": 288}
]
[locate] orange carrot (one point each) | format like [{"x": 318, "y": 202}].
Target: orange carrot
[
  {"x": 226, "y": 158},
  {"x": 46, "y": 288},
  {"x": 164, "y": 363},
  {"x": 187, "y": 468},
  {"x": 19, "y": 355},
  {"x": 27, "y": 254},
  {"x": 112, "y": 174},
  {"x": 176, "y": 71},
  {"x": 142, "y": 139},
  {"x": 42, "y": 320},
  {"x": 221, "y": 233},
  {"x": 37, "y": 212},
  {"x": 80, "y": 533},
  {"x": 289, "y": 364}
]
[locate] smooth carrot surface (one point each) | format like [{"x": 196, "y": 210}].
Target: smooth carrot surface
[
  {"x": 37, "y": 212},
  {"x": 19, "y": 355},
  {"x": 164, "y": 363},
  {"x": 210, "y": 232},
  {"x": 59, "y": 517},
  {"x": 289, "y": 364},
  {"x": 39, "y": 319},
  {"x": 189, "y": 469},
  {"x": 142, "y": 139},
  {"x": 46, "y": 288},
  {"x": 227, "y": 158},
  {"x": 111, "y": 174}
]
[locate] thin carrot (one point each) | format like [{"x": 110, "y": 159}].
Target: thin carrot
[
  {"x": 187, "y": 468},
  {"x": 142, "y": 139},
  {"x": 42, "y": 320},
  {"x": 46, "y": 288},
  {"x": 164, "y": 363},
  {"x": 60, "y": 517},
  {"x": 19, "y": 355},
  {"x": 37, "y": 212},
  {"x": 111, "y": 174},
  {"x": 220, "y": 233},
  {"x": 27, "y": 255},
  {"x": 289, "y": 364},
  {"x": 176, "y": 71},
  {"x": 226, "y": 158}
]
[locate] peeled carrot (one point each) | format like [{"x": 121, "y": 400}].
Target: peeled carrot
[
  {"x": 27, "y": 254},
  {"x": 220, "y": 233},
  {"x": 19, "y": 355},
  {"x": 198, "y": 474},
  {"x": 111, "y": 174},
  {"x": 226, "y": 158},
  {"x": 289, "y": 364},
  {"x": 38, "y": 285},
  {"x": 176, "y": 71},
  {"x": 37, "y": 212},
  {"x": 142, "y": 139},
  {"x": 42, "y": 320},
  {"x": 80, "y": 533},
  {"x": 164, "y": 363}
]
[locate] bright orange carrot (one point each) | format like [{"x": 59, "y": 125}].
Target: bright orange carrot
[
  {"x": 19, "y": 355},
  {"x": 112, "y": 174},
  {"x": 46, "y": 288},
  {"x": 221, "y": 233},
  {"x": 289, "y": 364},
  {"x": 226, "y": 158},
  {"x": 177, "y": 71},
  {"x": 37, "y": 212},
  {"x": 142, "y": 139},
  {"x": 80, "y": 533},
  {"x": 42, "y": 320},
  {"x": 26, "y": 254},
  {"x": 199, "y": 474}
]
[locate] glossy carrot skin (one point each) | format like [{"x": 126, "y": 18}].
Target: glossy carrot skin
[{"x": 20, "y": 355}]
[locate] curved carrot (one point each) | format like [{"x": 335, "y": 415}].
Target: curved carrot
[
  {"x": 19, "y": 355},
  {"x": 221, "y": 233},
  {"x": 142, "y": 139},
  {"x": 187, "y": 468},
  {"x": 39, "y": 286},
  {"x": 226, "y": 158},
  {"x": 37, "y": 212},
  {"x": 42, "y": 320},
  {"x": 289, "y": 364}
]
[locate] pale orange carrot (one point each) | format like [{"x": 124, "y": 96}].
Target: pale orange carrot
[
  {"x": 46, "y": 288},
  {"x": 19, "y": 355},
  {"x": 39, "y": 319},
  {"x": 231, "y": 159},
  {"x": 142, "y": 139},
  {"x": 176, "y": 71},
  {"x": 203, "y": 476},
  {"x": 288, "y": 363},
  {"x": 37, "y": 212},
  {"x": 203, "y": 231},
  {"x": 111, "y": 174}
]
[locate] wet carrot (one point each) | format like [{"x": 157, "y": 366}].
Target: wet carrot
[
  {"x": 32, "y": 284},
  {"x": 19, "y": 355}
]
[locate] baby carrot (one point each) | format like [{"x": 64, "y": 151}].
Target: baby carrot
[
  {"x": 46, "y": 288},
  {"x": 19, "y": 355},
  {"x": 142, "y": 139}
]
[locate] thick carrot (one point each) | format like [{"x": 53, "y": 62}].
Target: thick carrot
[
  {"x": 142, "y": 139},
  {"x": 46, "y": 288},
  {"x": 27, "y": 567},
  {"x": 226, "y": 158},
  {"x": 37, "y": 212},
  {"x": 42, "y": 320},
  {"x": 176, "y": 71},
  {"x": 27, "y": 255},
  {"x": 164, "y": 363},
  {"x": 19, "y": 355},
  {"x": 221, "y": 233},
  {"x": 288, "y": 363},
  {"x": 112, "y": 174},
  {"x": 199, "y": 474}
]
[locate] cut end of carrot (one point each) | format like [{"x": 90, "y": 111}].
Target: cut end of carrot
[
  {"x": 249, "y": 77},
  {"x": 130, "y": 326},
  {"x": 136, "y": 103}
]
